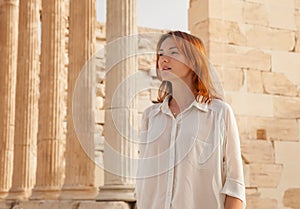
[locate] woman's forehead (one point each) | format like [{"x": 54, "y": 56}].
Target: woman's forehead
[{"x": 168, "y": 44}]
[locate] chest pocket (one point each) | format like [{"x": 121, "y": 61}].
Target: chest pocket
[
  {"x": 201, "y": 153},
  {"x": 207, "y": 142}
]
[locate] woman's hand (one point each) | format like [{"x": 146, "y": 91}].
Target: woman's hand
[{"x": 233, "y": 203}]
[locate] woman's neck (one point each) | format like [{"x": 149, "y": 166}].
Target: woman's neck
[{"x": 183, "y": 95}]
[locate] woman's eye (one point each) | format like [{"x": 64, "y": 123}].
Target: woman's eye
[
  {"x": 160, "y": 54},
  {"x": 174, "y": 52}
]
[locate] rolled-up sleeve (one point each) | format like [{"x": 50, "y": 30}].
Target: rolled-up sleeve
[{"x": 233, "y": 166}]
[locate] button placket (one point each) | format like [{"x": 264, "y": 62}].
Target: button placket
[{"x": 171, "y": 165}]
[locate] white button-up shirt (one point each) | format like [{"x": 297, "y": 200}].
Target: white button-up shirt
[{"x": 189, "y": 162}]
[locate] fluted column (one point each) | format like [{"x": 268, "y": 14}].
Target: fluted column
[
  {"x": 80, "y": 166},
  {"x": 50, "y": 145},
  {"x": 120, "y": 114},
  {"x": 8, "y": 67},
  {"x": 26, "y": 101}
]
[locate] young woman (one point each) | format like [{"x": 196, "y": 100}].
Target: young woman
[{"x": 190, "y": 151}]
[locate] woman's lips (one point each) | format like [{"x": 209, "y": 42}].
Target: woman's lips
[{"x": 166, "y": 68}]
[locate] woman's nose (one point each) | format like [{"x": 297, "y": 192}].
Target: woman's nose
[{"x": 164, "y": 58}]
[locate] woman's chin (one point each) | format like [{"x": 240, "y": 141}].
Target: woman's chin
[{"x": 168, "y": 76}]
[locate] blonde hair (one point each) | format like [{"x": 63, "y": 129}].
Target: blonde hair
[{"x": 194, "y": 51}]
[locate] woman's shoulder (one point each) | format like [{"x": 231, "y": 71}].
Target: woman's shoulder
[
  {"x": 155, "y": 107},
  {"x": 218, "y": 105}
]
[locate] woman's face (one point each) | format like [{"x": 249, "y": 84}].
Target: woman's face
[{"x": 172, "y": 63}]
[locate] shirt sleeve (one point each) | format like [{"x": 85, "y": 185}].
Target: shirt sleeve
[
  {"x": 233, "y": 166},
  {"x": 143, "y": 132},
  {"x": 141, "y": 148}
]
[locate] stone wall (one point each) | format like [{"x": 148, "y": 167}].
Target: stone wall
[{"x": 254, "y": 44}]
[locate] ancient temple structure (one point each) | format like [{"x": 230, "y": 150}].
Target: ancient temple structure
[{"x": 72, "y": 91}]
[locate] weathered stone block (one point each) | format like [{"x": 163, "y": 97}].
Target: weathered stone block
[
  {"x": 264, "y": 175},
  {"x": 297, "y": 16},
  {"x": 297, "y": 4},
  {"x": 297, "y": 45},
  {"x": 100, "y": 90},
  {"x": 5, "y": 205},
  {"x": 198, "y": 12},
  {"x": 255, "y": 201},
  {"x": 146, "y": 61},
  {"x": 251, "y": 104},
  {"x": 99, "y": 103},
  {"x": 287, "y": 63},
  {"x": 100, "y": 73},
  {"x": 226, "y": 31},
  {"x": 239, "y": 57},
  {"x": 298, "y": 121},
  {"x": 100, "y": 30},
  {"x": 99, "y": 142},
  {"x": 276, "y": 128},
  {"x": 229, "y": 11},
  {"x": 146, "y": 39},
  {"x": 246, "y": 174},
  {"x": 257, "y": 1},
  {"x": 277, "y": 83},
  {"x": 255, "y": 13},
  {"x": 232, "y": 79},
  {"x": 286, "y": 9},
  {"x": 48, "y": 204},
  {"x": 262, "y": 60},
  {"x": 201, "y": 30},
  {"x": 291, "y": 198},
  {"x": 99, "y": 129},
  {"x": 287, "y": 107},
  {"x": 288, "y": 153},
  {"x": 104, "y": 205},
  {"x": 257, "y": 151},
  {"x": 254, "y": 81},
  {"x": 56, "y": 204},
  {"x": 144, "y": 94},
  {"x": 99, "y": 116},
  {"x": 252, "y": 191},
  {"x": 270, "y": 38},
  {"x": 261, "y": 134}
]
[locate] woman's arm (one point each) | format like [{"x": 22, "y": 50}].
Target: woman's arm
[
  {"x": 233, "y": 203},
  {"x": 234, "y": 186}
]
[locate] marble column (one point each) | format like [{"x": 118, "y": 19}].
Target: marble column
[
  {"x": 8, "y": 68},
  {"x": 26, "y": 119},
  {"x": 120, "y": 108},
  {"x": 51, "y": 136},
  {"x": 80, "y": 165}
]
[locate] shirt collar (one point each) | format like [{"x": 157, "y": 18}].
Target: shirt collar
[
  {"x": 164, "y": 107},
  {"x": 201, "y": 106}
]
